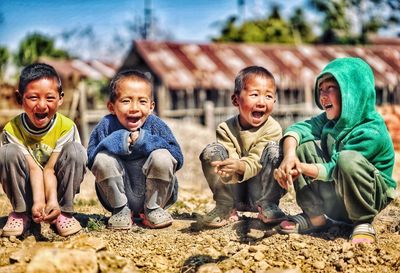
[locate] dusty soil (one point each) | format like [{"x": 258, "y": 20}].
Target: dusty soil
[{"x": 244, "y": 246}]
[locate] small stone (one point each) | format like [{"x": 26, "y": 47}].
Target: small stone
[
  {"x": 349, "y": 254},
  {"x": 209, "y": 268},
  {"x": 255, "y": 234},
  {"x": 234, "y": 270},
  {"x": 259, "y": 256},
  {"x": 319, "y": 264}
]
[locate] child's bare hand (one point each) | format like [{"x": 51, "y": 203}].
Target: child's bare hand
[
  {"x": 38, "y": 212},
  {"x": 288, "y": 171},
  {"x": 52, "y": 211},
  {"x": 226, "y": 168},
  {"x": 133, "y": 136}
]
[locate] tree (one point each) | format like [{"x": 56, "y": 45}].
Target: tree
[
  {"x": 36, "y": 45},
  {"x": 371, "y": 16},
  {"x": 273, "y": 29},
  {"x": 4, "y": 56},
  {"x": 374, "y": 15},
  {"x": 335, "y": 25},
  {"x": 229, "y": 31},
  {"x": 302, "y": 31}
]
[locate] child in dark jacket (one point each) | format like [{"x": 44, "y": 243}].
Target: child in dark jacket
[
  {"x": 134, "y": 156},
  {"x": 341, "y": 161}
]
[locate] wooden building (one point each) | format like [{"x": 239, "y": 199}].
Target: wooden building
[{"x": 188, "y": 76}]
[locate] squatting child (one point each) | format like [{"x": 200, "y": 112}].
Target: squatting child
[
  {"x": 42, "y": 162},
  {"x": 341, "y": 161},
  {"x": 134, "y": 156},
  {"x": 239, "y": 166}
]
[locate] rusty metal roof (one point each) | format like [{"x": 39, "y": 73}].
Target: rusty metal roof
[
  {"x": 214, "y": 65},
  {"x": 80, "y": 69}
]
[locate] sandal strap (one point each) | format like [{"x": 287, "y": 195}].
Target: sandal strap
[
  {"x": 301, "y": 220},
  {"x": 121, "y": 220},
  {"x": 365, "y": 228},
  {"x": 67, "y": 225}
]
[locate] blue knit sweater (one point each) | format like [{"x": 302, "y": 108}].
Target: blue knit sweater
[{"x": 111, "y": 136}]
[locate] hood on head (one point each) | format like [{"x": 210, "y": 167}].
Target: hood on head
[{"x": 357, "y": 87}]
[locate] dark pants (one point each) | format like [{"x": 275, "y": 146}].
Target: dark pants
[
  {"x": 261, "y": 190},
  {"x": 356, "y": 194}
]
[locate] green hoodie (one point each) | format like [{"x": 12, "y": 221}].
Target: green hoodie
[{"x": 359, "y": 128}]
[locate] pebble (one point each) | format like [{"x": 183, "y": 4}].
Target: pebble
[{"x": 319, "y": 264}]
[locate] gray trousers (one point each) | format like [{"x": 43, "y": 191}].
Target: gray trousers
[
  {"x": 356, "y": 194},
  {"x": 120, "y": 182},
  {"x": 261, "y": 190},
  {"x": 70, "y": 169}
]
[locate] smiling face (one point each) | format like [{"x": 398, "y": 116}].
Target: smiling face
[
  {"x": 255, "y": 101},
  {"x": 330, "y": 98},
  {"x": 40, "y": 101},
  {"x": 133, "y": 103}
]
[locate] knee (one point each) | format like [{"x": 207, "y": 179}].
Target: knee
[
  {"x": 75, "y": 153},
  {"x": 271, "y": 154},
  {"x": 213, "y": 152},
  {"x": 348, "y": 161},
  {"x": 106, "y": 166},
  {"x": 102, "y": 161},
  {"x": 10, "y": 154},
  {"x": 162, "y": 160}
]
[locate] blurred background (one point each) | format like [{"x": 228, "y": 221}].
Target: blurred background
[{"x": 193, "y": 50}]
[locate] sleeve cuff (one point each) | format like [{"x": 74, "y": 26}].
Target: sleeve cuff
[
  {"x": 322, "y": 173},
  {"x": 292, "y": 134}
]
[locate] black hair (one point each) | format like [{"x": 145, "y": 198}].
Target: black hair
[
  {"x": 129, "y": 73},
  {"x": 35, "y": 72},
  {"x": 250, "y": 71}
]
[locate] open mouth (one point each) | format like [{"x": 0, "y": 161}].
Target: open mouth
[
  {"x": 328, "y": 106},
  {"x": 133, "y": 119},
  {"x": 257, "y": 114},
  {"x": 40, "y": 115}
]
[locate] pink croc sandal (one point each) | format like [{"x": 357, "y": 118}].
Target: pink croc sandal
[
  {"x": 17, "y": 224},
  {"x": 66, "y": 224}
]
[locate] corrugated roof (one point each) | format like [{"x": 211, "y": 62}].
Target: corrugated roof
[
  {"x": 77, "y": 68},
  {"x": 214, "y": 65}
]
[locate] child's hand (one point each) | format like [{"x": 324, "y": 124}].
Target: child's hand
[
  {"x": 133, "y": 137},
  {"x": 52, "y": 211},
  {"x": 38, "y": 212},
  {"x": 288, "y": 171},
  {"x": 228, "y": 167}
]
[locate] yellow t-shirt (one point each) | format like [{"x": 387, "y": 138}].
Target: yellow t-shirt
[{"x": 40, "y": 143}]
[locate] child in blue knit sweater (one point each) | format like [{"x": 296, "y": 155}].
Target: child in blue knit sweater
[{"x": 134, "y": 156}]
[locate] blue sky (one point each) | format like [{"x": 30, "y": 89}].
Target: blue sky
[{"x": 185, "y": 20}]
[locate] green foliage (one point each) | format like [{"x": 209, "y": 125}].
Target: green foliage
[
  {"x": 95, "y": 224},
  {"x": 336, "y": 26},
  {"x": 372, "y": 15},
  {"x": 35, "y": 46},
  {"x": 273, "y": 29},
  {"x": 4, "y": 56},
  {"x": 302, "y": 31},
  {"x": 85, "y": 202}
]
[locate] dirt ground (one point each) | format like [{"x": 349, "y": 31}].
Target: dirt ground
[{"x": 244, "y": 246}]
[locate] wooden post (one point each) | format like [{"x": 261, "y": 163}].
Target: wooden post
[
  {"x": 209, "y": 115},
  {"x": 162, "y": 101},
  {"x": 84, "y": 124},
  {"x": 308, "y": 95}
]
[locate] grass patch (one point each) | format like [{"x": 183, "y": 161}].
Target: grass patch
[
  {"x": 86, "y": 202},
  {"x": 95, "y": 224}
]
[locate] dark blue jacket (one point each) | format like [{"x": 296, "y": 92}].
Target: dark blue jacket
[{"x": 109, "y": 135}]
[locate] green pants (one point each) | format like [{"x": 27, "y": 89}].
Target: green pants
[{"x": 356, "y": 194}]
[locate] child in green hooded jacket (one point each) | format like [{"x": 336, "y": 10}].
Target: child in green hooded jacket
[{"x": 341, "y": 161}]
